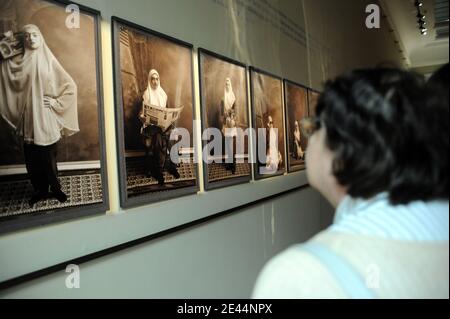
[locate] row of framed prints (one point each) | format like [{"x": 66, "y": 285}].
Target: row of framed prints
[{"x": 52, "y": 153}]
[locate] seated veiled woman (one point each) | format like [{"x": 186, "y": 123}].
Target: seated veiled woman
[{"x": 156, "y": 141}]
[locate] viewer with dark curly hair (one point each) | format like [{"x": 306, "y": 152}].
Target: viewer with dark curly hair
[{"x": 378, "y": 152}]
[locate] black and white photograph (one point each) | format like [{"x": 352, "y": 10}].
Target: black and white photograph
[
  {"x": 51, "y": 126},
  {"x": 296, "y": 102},
  {"x": 313, "y": 98},
  {"x": 223, "y": 86},
  {"x": 154, "y": 101},
  {"x": 268, "y": 122}
]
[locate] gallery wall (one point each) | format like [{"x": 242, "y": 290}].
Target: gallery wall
[{"x": 304, "y": 41}]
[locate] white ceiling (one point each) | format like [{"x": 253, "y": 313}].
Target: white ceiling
[{"x": 418, "y": 50}]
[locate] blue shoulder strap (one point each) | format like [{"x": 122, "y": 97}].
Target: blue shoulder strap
[{"x": 350, "y": 281}]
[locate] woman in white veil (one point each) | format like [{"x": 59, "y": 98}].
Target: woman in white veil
[
  {"x": 273, "y": 154},
  {"x": 38, "y": 99},
  {"x": 229, "y": 125},
  {"x": 157, "y": 143},
  {"x": 298, "y": 151},
  {"x": 154, "y": 94}
]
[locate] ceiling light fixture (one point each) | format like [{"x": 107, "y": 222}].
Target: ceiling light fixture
[{"x": 421, "y": 17}]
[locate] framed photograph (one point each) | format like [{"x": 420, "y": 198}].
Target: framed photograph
[
  {"x": 268, "y": 123},
  {"x": 52, "y": 154},
  {"x": 313, "y": 98},
  {"x": 296, "y": 102},
  {"x": 154, "y": 112},
  {"x": 224, "y": 104}
]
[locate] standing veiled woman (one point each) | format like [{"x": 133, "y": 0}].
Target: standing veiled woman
[
  {"x": 38, "y": 99},
  {"x": 298, "y": 151},
  {"x": 229, "y": 125},
  {"x": 273, "y": 155}
]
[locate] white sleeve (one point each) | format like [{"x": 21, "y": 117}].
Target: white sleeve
[{"x": 295, "y": 274}]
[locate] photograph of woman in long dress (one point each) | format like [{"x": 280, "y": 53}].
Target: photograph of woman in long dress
[
  {"x": 229, "y": 128},
  {"x": 274, "y": 159},
  {"x": 313, "y": 98},
  {"x": 50, "y": 132},
  {"x": 267, "y": 109},
  {"x": 39, "y": 102},
  {"x": 225, "y": 110},
  {"x": 296, "y": 101}
]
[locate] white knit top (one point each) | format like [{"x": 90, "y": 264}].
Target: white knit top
[{"x": 393, "y": 251}]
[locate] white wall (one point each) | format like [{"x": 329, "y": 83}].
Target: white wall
[{"x": 218, "y": 259}]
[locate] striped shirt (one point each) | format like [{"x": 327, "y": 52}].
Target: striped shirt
[{"x": 415, "y": 221}]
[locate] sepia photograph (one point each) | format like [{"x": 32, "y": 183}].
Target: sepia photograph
[
  {"x": 224, "y": 103},
  {"x": 296, "y": 102},
  {"x": 154, "y": 102},
  {"x": 52, "y": 157},
  {"x": 313, "y": 98},
  {"x": 268, "y": 122}
]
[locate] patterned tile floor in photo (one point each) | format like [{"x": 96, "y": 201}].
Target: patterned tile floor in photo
[
  {"x": 80, "y": 190},
  {"x": 138, "y": 182},
  {"x": 218, "y": 172},
  {"x": 296, "y": 162}
]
